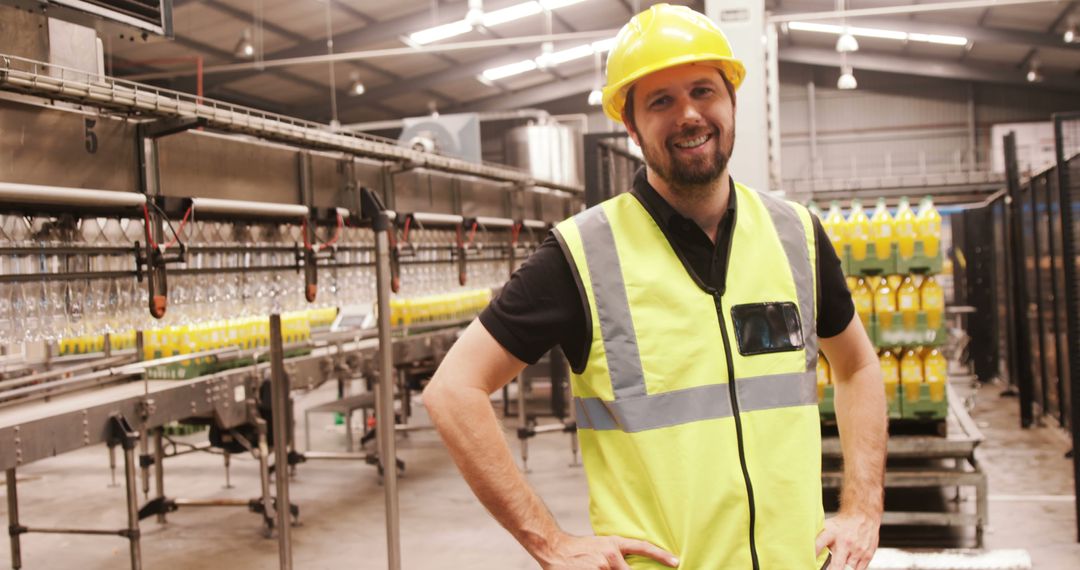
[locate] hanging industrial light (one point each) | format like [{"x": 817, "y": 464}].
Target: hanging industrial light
[
  {"x": 356, "y": 87},
  {"x": 475, "y": 15},
  {"x": 1033, "y": 73},
  {"x": 1071, "y": 34},
  {"x": 847, "y": 43},
  {"x": 847, "y": 79},
  {"x": 244, "y": 48},
  {"x": 596, "y": 96}
]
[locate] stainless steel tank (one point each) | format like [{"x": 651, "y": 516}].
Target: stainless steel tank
[{"x": 549, "y": 151}]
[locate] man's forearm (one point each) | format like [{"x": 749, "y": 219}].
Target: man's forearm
[
  {"x": 862, "y": 417},
  {"x": 468, "y": 426}
]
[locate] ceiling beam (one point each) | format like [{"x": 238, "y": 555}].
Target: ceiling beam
[
  {"x": 432, "y": 80},
  {"x": 925, "y": 67},
  {"x": 245, "y": 16},
  {"x": 581, "y": 83},
  {"x": 358, "y": 39},
  {"x": 212, "y": 90}
]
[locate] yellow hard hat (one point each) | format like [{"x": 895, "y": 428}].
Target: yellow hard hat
[{"x": 664, "y": 36}]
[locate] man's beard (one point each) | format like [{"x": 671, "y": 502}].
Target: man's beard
[{"x": 690, "y": 176}]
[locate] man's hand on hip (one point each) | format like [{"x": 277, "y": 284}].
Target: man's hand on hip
[
  {"x": 601, "y": 553},
  {"x": 852, "y": 538}
]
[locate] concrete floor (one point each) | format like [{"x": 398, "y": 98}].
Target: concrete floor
[{"x": 442, "y": 524}]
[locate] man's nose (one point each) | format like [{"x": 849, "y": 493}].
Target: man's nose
[{"x": 689, "y": 114}]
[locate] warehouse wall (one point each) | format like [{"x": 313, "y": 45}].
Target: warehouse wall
[{"x": 897, "y": 124}]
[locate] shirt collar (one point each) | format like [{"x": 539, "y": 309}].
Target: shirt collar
[{"x": 662, "y": 211}]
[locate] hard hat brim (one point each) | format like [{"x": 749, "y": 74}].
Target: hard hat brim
[{"x": 615, "y": 95}]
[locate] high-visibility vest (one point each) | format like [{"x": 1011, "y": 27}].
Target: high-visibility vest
[{"x": 687, "y": 443}]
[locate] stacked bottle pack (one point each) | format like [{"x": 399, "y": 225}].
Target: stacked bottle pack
[{"x": 890, "y": 260}]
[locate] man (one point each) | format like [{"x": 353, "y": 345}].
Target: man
[{"x": 691, "y": 311}]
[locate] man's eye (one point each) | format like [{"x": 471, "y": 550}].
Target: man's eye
[
  {"x": 660, "y": 101},
  {"x": 702, "y": 91}
]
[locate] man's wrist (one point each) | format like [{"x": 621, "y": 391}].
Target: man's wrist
[
  {"x": 541, "y": 545},
  {"x": 871, "y": 512}
]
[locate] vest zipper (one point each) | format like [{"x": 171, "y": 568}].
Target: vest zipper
[{"x": 738, "y": 424}]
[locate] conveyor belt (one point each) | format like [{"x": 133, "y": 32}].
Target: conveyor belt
[{"x": 36, "y": 430}]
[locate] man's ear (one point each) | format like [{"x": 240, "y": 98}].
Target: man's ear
[{"x": 631, "y": 131}]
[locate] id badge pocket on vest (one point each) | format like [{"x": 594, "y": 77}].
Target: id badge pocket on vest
[{"x": 762, "y": 328}]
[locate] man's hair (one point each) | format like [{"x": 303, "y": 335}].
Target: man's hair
[{"x": 628, "y": 108}]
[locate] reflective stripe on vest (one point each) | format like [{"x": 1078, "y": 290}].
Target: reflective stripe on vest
[
  {"x": 793, "y": 237},
  {"x": 634, "y": 409}
]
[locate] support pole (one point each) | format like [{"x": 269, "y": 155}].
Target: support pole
[
  {"x": 132, "y": 504},
  {"x": 112, "y": 466},
  {"x": 13, "y": 520},
  {"x": 279, "y": 404},
  {"x": 264, "y": 476},
  {"x": 523, "y": 420},
  {"x": 385, "y": 396},
  {"x": 1022, "y": 355},
  {"x": 159, "y": 471}
]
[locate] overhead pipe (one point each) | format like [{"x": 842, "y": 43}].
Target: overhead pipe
[
  {"x": 63, "y": 196},
  {"x": 247, "y": 208}
]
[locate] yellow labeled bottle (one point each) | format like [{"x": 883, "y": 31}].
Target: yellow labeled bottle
[
  {"x": 932, "y": 298},
  {"x": 881, "y": 230},
  {"x": 935, "y": 373},
  {"x": 851, "y": 282},
  {"x": 890, "y": 373},
  {"x": 895, "y": 281},
  {"x": 911, "y": 374},
  {"x": 884, "y": 303},
  {"x": 835, "y": 225},
  {"x": 858, "y": 231},
  {"x": 863, "y": 297},
  {"x": 907, "y": 302},
  {"x": 823, "y": 378},
  {"x": 928, "y": 228},
  {"x": 905, "y": 229}
]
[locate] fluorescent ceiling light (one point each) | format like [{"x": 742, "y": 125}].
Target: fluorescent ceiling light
[
  {"x": 545, "y": 60},
  {"x": 486, "y": 19},
  {"x": 556, "y": 4},
  {"x": 603, "y": 45},
  {"x": 571, "y": 54},
  {"x": 511, "y": 13},
  {"x": 504, "y": 71},
  {"x": 878, "y": 33},
  {"x": 439, "y": 33},
  {"x": 939, "y": 39}
]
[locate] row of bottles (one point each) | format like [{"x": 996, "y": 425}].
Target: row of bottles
[
  {"x": 438, "y": 308},
  {"x": 907, "y": 370},
  {"x": 244, "y": 333},
  {"x": 905, "y": 295},
  {"x": 905, "y": 228}
]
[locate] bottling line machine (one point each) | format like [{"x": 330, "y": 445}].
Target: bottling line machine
[{"x": 172, "y": 258}]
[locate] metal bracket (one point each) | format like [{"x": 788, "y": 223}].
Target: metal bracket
[
  {"x": 372, "y": 210},
  {"x": 165, "y": 127},
  {"x": 158, "y": 506},
  {"x": 154, "y": 259},
  {"x": 121, "y": 433}
]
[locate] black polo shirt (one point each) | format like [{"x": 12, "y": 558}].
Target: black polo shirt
[{"x": 541, "y": 306}]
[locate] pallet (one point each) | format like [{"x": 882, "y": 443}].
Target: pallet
[{"x": 958, "y": 444}]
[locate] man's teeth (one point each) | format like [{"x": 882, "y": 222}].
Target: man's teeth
[{"x": 693, "y": 143}]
